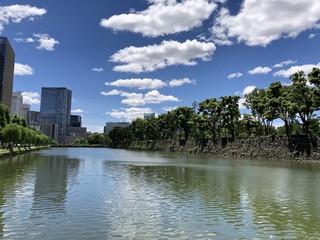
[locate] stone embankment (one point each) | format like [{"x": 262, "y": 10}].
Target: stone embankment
[{"x": 273, "y": 148}]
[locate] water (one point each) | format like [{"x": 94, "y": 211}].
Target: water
[{"x": 78, "y": 193}]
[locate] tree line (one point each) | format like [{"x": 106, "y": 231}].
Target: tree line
[
  {"x": 14, "y": 131},
  {"x": 296, "y": 104}
]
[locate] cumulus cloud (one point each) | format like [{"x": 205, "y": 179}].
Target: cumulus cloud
[
  {"x": 31, "y": 98},
  {"x": 169, "y": 109},
  {"x": 163, "y": 17},
  {"x": 260, "y": 70},
  {"x": 44, "y": 41},
  {"x": 77, "y": 110},
  {"x": 234, "y": 75},
  {"x": 312, "y": 35},
  {"x": 307, "y": 68},
  {"x": 128, "y": 114},
  {"x": 285, "y": 63},
  {"x": 168, "y": 53},
  {"x": 180, "y": 82},
  {"x": 139, "y": 99},
  {"x": 97, "y": 69},
  {"x": 22, "y": 69},
  {"x": 242, "y": 94},
  {"x": 260, "y": 22},
  {"x": 16, "y": 13},
  {"x": 145, "y": 83}
]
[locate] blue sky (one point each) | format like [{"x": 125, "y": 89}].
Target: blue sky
[{"x": 126, "y": 57}]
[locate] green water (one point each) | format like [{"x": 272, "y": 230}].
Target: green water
[{"x": 82, "y": 193}]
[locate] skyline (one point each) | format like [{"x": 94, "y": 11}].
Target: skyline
[{"x": 125, "y": 58}]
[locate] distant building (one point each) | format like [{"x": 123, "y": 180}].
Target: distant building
[
  {"x": 149, "y": 115},
  {"x": 7, "y": 57},
  {"x": 25, "y": 111},
  {"x": 16, "y": 104},
  {"x": 55, "y": 112},
  {"x": 75, "y": 121},
  {"x": 110, "y": 125},
  {"x": 33, "y": 118}
]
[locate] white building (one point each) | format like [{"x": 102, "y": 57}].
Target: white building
[{"x": 16, "y": 104}]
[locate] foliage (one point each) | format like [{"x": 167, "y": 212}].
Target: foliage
[{"x": 296, "y": 105}]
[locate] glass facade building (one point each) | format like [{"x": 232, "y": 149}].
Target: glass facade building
[
  {"x": 55, "y": 112},
  {"x": 7, "y": 57}
]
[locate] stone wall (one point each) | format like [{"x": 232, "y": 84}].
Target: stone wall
[{"x": 282, "y": 148}]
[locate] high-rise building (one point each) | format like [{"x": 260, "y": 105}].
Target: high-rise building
[
  {"x": 55, "y": 112},
  {"x": 75, "y": 121},
  {"x": 16, "y": 104},
  {"x": 6, "y": 71},
  {"x": 25, "y": 111}
]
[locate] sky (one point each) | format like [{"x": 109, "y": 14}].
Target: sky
[{"x": 124, "y": 58}]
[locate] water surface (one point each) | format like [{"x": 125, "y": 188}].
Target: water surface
[{"x": 83, "y": 193}]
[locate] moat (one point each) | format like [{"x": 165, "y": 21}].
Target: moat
[{"x": 86, "y": 193}]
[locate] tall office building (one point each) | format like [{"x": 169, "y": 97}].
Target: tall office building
[
  {"x": 55, "y": 112},
  {"x": 6, "y": 71},
  {"x": 75, "y": 121},
  {"x": 25, "y": 111},
  {"x": 16, "y": 104}
]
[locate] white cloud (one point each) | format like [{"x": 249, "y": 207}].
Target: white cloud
[
  {"x": 248, "y": 90},
  {"x": 128, "y": 114},
  {"x": 22, "y": 69},
  {"x": 25, "y": 40},
  {"x": 16, "y": 13},
  {"x": 235, "y": 75},
  {"x": 46, "y": 42},
  {"x": 168, "y": 53},
  {"x": 312, "y": 35},
  {"x": 169, "y": 109},
  {"x": 94, "y": 128},
  {"x": 31, "y": 98},
  {"x": 259, "y": 22},
  {"x": 307, "y": 68},
  {"x": 180, "y": 82},
  {"x": 163, "y": 17},
  {"x": 260, "y": 70},
  {"x": 285, "y": 63},
  {"x": 145, "y": 83},
  {"x": 97, "y": 69},
  {"x": 245, "y": 91},
  {"x": 139, "y": 99},
  {"x": 111, "y": 93},
  {"x": 77, "y": 110}
]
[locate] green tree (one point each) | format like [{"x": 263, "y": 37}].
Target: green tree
[
  {"x": 184, "y": 117},
  {"x": 12, "y": 133},
  {"x": 230, "y": 113},
  {"x": 305, "y": 99},
  {"x": 258, "y": 102},
  {"x": 281, "y": 101},
  {"x": 210, "y": 111},
  {"x": 137, "y": 128}
]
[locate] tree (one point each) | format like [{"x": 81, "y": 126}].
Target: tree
[
  {"x": 281, "y": 101},
  {"x": 230, "y": 113},
  {"x": 137, "y": 128},
  {"x": 184, "y": 117},
  {"x": 258, "y": 102},
  {"x": 305, "y": 98},
  {"x": 12, "y": 133},
  {"x": 210, "y": 111}
]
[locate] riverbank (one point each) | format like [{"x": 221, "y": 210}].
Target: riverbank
[
  {"x": 269, "y": 148},
  {"x": 5, "y": 152}
]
